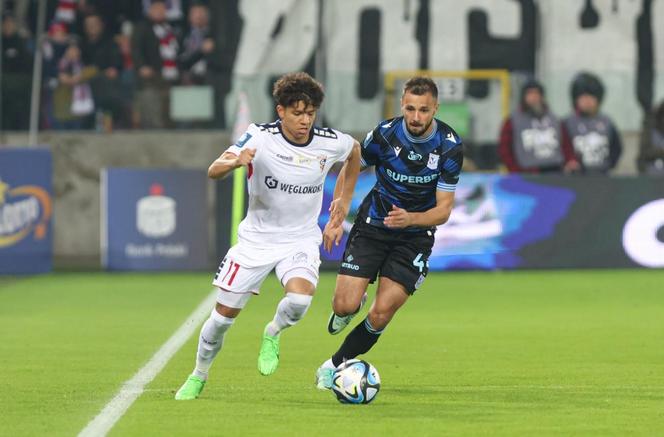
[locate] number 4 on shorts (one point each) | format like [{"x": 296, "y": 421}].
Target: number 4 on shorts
[{"x": 419, "y": 262}]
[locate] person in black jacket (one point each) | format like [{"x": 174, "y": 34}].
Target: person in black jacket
[
  {"x": 16, "y": 77},
  {"x": 651, "y": 147},
  {"x": 154, "y": 52},
  {"x": 198, "y": 58},
  {"x": 99, "y": 50}
]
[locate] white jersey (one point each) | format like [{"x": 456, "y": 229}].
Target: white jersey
[{"x": 285, "y": 183}]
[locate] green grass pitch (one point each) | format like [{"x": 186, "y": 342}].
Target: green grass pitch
[{"x": 512, "y": 353}]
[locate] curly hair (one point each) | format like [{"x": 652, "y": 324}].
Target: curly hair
[
  {"x": 420, "y": 85},
  {"x": 294, "y": 87}
]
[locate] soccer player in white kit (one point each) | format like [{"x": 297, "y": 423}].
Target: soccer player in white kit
[{"x": 287, "y": 163}]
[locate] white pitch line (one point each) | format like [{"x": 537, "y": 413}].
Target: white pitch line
[{"x": 132, "y": 389}]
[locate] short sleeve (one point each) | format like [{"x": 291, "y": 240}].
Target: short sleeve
[
  {"x": 346, "y": 145},
  {"x": 370, "y": 149},
  {"x": 248, "y": 139},
  {"x": 450, "y": 170}
]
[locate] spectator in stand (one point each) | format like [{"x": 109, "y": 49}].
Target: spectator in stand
[
  {"x": 531, "y": 139},
  {"x": 16, "y": 77},
  {"x": 175, "y": 12},
  {"x": 651, "y": 147},
  {"x": 200, "y": 60},
  {"x": 154, "y": 52},
  {"x": 594, "y": 137},
  {"x": 54, "y": 47},
  {"x": 73, "y": 103},
  {"x": 99, "y": 50},
  {"x": 113, "y": 12},
  {"x": 67, "y": 12},
  {"x": 198, "y": 56}
]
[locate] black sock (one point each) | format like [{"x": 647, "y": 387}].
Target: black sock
[{"x": 357, "y": 342}]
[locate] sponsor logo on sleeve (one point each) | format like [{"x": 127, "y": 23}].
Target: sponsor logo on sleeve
[{"x": 243, "y": 139}]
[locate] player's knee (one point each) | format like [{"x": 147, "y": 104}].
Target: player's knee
[
  {"x": 379, "y": 318},
  {"x": 344, "y": 304},
  {"x": 221, "y": 323},
  {"x": 297, "y": 306}
]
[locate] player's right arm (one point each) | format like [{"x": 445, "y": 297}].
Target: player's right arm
[
  {"x": 238, "y": 155},
  {"x": 229, "y": 161}
]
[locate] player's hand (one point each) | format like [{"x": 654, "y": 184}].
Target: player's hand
[
  {"x": 332, "y": 234},
  {"x": 338, "y": 212},
  {"x": 397, "y": 218},
  {"x": 245, "y": 157}
]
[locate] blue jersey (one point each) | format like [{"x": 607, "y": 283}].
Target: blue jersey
[{"x": 409, "y": 170}]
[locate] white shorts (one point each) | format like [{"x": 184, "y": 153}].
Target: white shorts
[{"x": 243, "y": 271}]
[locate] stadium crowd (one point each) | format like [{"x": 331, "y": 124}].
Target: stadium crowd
[
  {"x": 112, "y": 64},
  {"x": 105, "y": 63}
]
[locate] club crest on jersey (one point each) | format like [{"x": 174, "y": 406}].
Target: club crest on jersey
[
  {"x": 433, "y": 161},
  {"x": 322, "y": 159}
]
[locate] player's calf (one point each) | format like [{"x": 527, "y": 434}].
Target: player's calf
[{"x": 289, "y": 311}]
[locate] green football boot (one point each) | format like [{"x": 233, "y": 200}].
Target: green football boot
[
  {"x": 191, "y": 389},
  {"x": 268, "y": 357}
]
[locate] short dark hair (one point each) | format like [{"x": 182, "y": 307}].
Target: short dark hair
[
  {"x": 420, "y": 85},
  {"x": 294, "y": 87}
]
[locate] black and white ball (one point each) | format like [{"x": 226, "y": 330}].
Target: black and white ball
[{"x": 356, "y": 382}]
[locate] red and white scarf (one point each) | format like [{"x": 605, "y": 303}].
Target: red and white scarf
[
  {"x": 168, "y": 49},
  {"x": 82, "y": 102},
  {"x": 66, "y": 11}
]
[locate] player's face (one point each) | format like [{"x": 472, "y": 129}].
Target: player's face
[
  {"x": 418, "y": 112},
  {"x": 297, "y": 121}
]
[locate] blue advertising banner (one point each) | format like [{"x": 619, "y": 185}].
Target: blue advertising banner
[
  {"x": 154, "y": 219},
  {"x": 26, "y": 205},
  {"x": 512, "y": 221}
]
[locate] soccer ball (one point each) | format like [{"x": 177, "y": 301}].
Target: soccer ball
[{"x": 355, "y": 382}]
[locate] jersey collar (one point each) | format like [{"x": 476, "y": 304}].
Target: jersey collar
[
  {"x": 413, "y": 139},
  {"x": 311, "y": 136}
]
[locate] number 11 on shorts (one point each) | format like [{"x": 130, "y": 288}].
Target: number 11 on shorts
[{"x": 233, "y": 267}]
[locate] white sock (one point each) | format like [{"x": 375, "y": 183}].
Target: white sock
[
  {"x": 210, "y": 341},
  {"x": 290, "y": 309}
]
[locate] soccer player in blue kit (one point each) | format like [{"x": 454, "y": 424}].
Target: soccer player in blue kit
[{"x": 417, "y": 160}]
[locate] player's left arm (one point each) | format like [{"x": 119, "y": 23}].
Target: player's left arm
[
  {"x": 439, "y": 214},
  {"x": 343, "y": 194}
]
